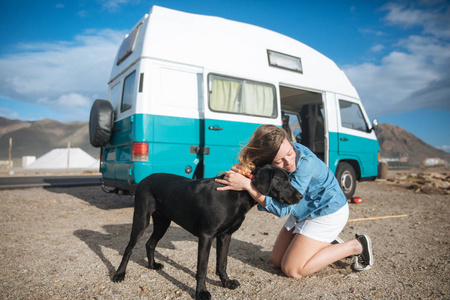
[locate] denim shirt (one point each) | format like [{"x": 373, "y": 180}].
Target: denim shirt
[{"x": 321, "y": 192}]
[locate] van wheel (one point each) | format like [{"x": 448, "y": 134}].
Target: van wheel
[
  {"x": 346, "y": 176},
  {"x": 101, "y": 123}
]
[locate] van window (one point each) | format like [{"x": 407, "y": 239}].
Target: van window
[
  {"x": 351, "y": 116},
  {"x": 115, "y": 94},
  {"x": 127, "y": 46},
  {"x": 242, "y": 96},
  {"x": 128, "y": 92},
  {"x": 291, "y": 123}
]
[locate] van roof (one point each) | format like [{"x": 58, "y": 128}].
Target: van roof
[{"x": 230, "y": 48}]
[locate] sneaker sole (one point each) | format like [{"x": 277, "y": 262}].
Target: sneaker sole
[
  {"x": 357, "y": 266},
  {"x": 369, "y": 246}
]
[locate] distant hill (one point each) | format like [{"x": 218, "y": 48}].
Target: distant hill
[
  {"x": 395, "y": 142},
  {"x": 39, "y": 137}
]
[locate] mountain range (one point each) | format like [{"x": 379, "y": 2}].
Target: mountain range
[
  {"x": 395, "y": 142},
  {"x": 36, "y": 138}
]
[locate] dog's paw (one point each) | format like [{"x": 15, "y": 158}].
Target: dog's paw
[
  {"x": 155, "y": 266},
  {"x": 203, "y": 295},
  {"x": 231, "y": 284},
  {"x": 118, "y": 277}
]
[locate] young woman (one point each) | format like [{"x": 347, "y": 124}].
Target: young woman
[{"x": 303, "y": 245}]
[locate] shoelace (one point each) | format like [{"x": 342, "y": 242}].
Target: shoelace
[{"x": 363, "y": 260}]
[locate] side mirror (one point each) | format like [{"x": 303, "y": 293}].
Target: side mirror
[{"x": 374, "y": 124}]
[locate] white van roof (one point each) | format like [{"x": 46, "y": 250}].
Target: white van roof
[{"x": 231, "y": 48}]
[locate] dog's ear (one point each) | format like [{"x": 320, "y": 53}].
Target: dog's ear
[{"x": 262, "y": 179}]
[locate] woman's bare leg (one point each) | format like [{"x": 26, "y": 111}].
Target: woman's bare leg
[
  {"x": 283, "y": 241},
  {"x": 305, "y": 256}
]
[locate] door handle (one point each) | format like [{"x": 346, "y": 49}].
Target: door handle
[
  {"x": 344, "y": 139},
  {"x": 215, "y": 128}
]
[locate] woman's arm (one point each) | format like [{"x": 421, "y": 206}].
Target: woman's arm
[{"x": 235, "y": 181}]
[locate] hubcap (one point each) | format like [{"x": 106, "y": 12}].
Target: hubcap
[{"x": 346, "y": 181}]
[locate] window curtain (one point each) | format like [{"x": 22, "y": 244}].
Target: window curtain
[
  {"x": 258, "y": 99},
  {"x": 225, "y": 95},
  {"x": 241, "y": 96}
]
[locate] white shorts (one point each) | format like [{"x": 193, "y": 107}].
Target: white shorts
[{"x": 323, "y": 229}]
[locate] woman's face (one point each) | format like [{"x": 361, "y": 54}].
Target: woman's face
[{"x": 285, "y": 157}]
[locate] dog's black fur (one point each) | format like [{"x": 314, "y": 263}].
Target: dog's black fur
[{"x": 198, "y": 207}]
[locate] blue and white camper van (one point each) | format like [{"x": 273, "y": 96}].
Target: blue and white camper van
[{"x": 187, "y": 91}]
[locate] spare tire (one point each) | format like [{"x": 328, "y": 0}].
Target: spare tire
[{"x": 101, "y": 123}]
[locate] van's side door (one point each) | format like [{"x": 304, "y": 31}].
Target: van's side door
[
  {"x": 233, "y": 109},
  {"x": 172, "y": 106},
  {"x": 355, "y": 139}
]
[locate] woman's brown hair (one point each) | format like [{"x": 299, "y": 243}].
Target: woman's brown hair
[{"x": 262, "y": 147}]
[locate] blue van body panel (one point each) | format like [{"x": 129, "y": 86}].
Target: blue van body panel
[
  {"x": 173, "y": 138},
  {"x": 224, "y": 140},
  {"x": 169, "y": 141},
  {"x": 364, "y": 151},
  {"x": 172, "y": 142}
]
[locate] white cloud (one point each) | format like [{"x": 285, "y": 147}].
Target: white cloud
[
  {"x": 83, "y": 13},
  {"x": 114, "y": 5},
  {"x": 74, "y": 100},
  {"x": 63, "y": 74},
  {"x": 415, "y": 75},
  {"x": 68, "y": 101},
  {"x": 445, "y": 148},
  {"x": 7, "y": 113},
  {"x": 432, "y": 17},
  {"x": 400, "y": 15},
  {"x": 368, "y": 31},
  {"x": 377, "y": 48}
]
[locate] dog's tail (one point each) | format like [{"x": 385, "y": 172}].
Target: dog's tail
[{"x": 144, "y": 206}]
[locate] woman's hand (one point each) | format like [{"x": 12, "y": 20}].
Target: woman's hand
[{"x": 234, "y": 180}]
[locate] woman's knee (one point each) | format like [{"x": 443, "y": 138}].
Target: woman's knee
[
  {"x": 292, "y": 272},
  {"x": 276, "y": 260}
]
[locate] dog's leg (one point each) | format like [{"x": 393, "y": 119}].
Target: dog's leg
[
  {"x": 160, "y": 226},
  {"x": 141, "y": 219},
  {"x": 136, "y": 232},
  {"x": 204, "y": 247},
  {"x": 223, "y": 244}
]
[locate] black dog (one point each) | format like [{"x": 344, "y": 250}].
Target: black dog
[{"x": 199, "y": 208}]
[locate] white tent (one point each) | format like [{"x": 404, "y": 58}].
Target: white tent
[{"x": 57, "y": 160}]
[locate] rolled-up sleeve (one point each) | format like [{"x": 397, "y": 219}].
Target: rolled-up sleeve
[
  {"x": 300, "y": 179},
  {"x": 275, "y": 207}
]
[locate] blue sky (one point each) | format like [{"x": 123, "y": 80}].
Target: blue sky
[{"x": 56, "y": 56}]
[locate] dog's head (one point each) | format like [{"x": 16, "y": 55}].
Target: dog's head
[{"x": 276, "y": 183}]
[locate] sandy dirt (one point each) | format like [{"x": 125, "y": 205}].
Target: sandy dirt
[{"x": 65, "y": 243}]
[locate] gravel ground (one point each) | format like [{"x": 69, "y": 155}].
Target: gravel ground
[{"x": 65, "y": 243}]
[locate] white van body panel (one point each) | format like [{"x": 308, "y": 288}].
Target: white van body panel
[{"x": 214, "y": 43}]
